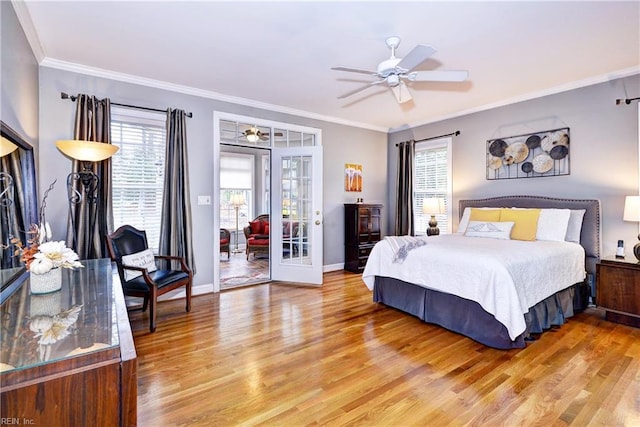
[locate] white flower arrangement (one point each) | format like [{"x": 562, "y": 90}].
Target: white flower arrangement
[
  {"x": 52, "y": 255},
  {"x": 41, "y": 255}
]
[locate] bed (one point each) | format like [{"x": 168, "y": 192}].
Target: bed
[{"x": 500, "y": 293}]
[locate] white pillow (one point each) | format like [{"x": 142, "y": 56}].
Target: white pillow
[
  {"x": 493, "y": 230},
  {"x": 144, "y": 259},
  {"x": 464, "y": 221},
  {"x": 552, "y": 224},
  {"x": 575, "y": 225}
]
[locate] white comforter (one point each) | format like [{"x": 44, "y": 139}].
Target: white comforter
[{"x": 505, "y": 277}]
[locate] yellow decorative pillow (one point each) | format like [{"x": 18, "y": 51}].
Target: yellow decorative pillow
[
  {"x": 525, "y": 222},
  {"x": 484, "y": 215}
]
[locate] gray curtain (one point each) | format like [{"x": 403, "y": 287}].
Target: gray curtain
[
  {"x": 176, "y": 227},
  {"x": 404, "y": 188},
  {"x": 90, "y": 222}
]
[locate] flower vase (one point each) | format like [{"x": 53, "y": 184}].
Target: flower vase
[
  {"x": 44, "y": 283},
  {"x": 45, "y": 305}
]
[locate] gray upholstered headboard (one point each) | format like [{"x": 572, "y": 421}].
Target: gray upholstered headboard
[{"x": 590, "y": 234}]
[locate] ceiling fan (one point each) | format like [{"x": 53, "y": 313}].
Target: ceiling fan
[
  {"x": 254, "y": 134},
  {"x": 394, "y": 71}
]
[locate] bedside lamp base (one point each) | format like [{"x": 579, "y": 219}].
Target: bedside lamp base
[{"x": 433, "y": 229}]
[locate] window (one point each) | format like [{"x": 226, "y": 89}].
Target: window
[
  {"x": 432, "y": 178},
  {"x": 138, "y": 170},
  {"x": 236, "y": 178}
]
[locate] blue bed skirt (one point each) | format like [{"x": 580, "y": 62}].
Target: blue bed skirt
[{"x": 468, "y": 317}]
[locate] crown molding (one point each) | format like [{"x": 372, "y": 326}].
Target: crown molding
[
  {"x": 627, "y": 72},
  {"x": 158, "y": 84},
  {"x": 24, "y": 17}
]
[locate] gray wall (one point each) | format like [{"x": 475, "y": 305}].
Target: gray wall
[
  {"x": 341, "y": 144},
  {"x": 19, "y": 82},
  {"x": 604, "y": 151}
]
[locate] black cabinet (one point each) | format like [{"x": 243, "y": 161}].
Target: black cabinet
[{"x": 362, "y": 230}]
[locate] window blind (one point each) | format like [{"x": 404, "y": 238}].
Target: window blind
[
  {"x": 432, "y": 178},
  {"x": 138, "y": 170},
  {"x": 236, "y": 176}
]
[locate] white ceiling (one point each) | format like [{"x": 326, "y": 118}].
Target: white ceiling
[{"x": 278, "y": 54}]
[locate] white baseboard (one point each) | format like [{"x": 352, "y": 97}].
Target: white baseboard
[
  {"x": 207, "y": 288},
  {"x": 333, "y": 267}
]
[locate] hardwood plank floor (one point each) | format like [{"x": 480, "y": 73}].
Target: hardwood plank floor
[{"x": 282, "y": 355}]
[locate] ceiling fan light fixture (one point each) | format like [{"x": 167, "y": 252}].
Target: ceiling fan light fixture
[
  {"x": 252, "y": 135},
  {"x": 394, "y": 71}
]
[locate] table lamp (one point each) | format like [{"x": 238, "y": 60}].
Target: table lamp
[{"x": 433, "y": 206}]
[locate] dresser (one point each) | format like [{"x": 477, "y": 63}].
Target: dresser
[
  {"x": 68, "y": 357},
  {"x": 618, "y": 289},
  {"x": 362, "y": 229}
]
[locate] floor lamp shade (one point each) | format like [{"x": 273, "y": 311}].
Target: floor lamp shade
[
  {"x": 632, "y": 213},
  {"x": 87, "y": 151},
  {"x": 6, "y": 146},
  {"x": 237, "y": 200}
]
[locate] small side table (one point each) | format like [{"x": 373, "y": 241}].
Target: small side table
[{"x": 618, "y": 289}]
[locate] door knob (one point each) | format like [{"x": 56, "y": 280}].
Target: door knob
[{"x": 317, "y": 222}]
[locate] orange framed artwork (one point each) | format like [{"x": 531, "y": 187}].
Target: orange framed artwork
[{"x": 352, "y": 177}]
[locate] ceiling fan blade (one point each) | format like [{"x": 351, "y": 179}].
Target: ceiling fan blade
[
  {"x": 438, "y": 76},
  {"x": 417, "y": 56},
  {"x": 401, "y": 91},
  {"x": 354, "y": 70},
  {"x": 361, "y": 88}
]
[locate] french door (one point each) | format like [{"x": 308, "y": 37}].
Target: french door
[{"x": 296, "y": 209}]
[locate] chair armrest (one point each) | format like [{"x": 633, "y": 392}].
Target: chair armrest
[{"x": 145, "y": 273}]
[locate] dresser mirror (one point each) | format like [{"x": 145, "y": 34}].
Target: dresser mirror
[{"x": 18, "y": 204}]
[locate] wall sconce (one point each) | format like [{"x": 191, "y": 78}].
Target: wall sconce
[
  {"x": 433, "y": 206},
  {"x": 632, "y": 213}
]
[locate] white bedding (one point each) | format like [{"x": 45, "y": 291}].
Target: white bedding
[{"x": 505, "y": 277}]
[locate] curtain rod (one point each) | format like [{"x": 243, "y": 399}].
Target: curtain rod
[
  {"x": 626, "y": 101},
  {"x": 456, "y": 133},
  {"x": 73, "y": 99}
]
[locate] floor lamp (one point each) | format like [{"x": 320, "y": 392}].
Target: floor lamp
[
  {"x": 86, "y": 152},
  {"x": 236, "y": 201}
]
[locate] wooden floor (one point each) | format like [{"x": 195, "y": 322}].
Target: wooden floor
[{"x": 280, "y": 355}]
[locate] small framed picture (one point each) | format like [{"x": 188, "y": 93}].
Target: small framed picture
[{"x": 352, "y": 177}]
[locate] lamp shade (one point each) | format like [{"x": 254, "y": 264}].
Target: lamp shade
[
  {"x": 632, "y": 208},
  {"x": 6, "y": 146},
  {"x": 433, "y": 206},
  {"x": 88, "y": 151},
  {"x": 237, "y": 199}
]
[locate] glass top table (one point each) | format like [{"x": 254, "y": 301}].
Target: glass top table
[{"x": 80, "y": 318}]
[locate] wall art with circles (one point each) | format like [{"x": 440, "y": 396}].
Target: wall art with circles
[{"x": 533, "y": 155}]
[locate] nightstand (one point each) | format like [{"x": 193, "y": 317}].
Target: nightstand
[{"x": 618, "y": 289}]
